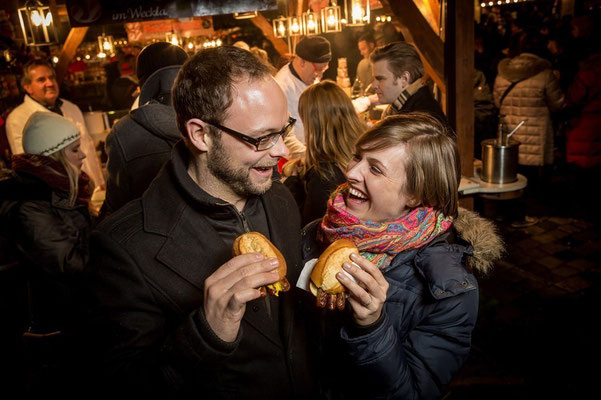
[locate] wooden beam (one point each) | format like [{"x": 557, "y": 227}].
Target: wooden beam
[
  {"x": 424, "y": 38},
  {"x": 68, "y": 51},
  {"x": 431, "y": 12},
  {"x": 265, "y": 26},
  {"x": 459, "y": 57}
]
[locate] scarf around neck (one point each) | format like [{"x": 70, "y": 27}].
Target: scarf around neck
[
  {"x": 396, "y": 106},
  {"x": 53, "y": 173},
  {"x": 380, "y": 242}
]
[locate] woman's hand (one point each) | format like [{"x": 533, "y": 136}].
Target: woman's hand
[{"x": 366, "y": 297}]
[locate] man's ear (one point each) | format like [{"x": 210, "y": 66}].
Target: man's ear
[
  {"x": 198, "y": 133},
  {"x": 406, "y": 78},
  {"x": 27, "y": 88}
]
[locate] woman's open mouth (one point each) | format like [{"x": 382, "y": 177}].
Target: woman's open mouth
[{"x": 357, "y": 196}]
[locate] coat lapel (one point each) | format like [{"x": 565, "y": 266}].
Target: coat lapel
[{"x": 195, "y": 257}]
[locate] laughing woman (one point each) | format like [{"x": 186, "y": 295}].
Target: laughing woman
[{"x": 415, "y": 300}]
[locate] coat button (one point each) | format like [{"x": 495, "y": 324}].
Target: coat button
[
  {"x": 464, "y": 283},
  {"x": 256, "y": 308}
]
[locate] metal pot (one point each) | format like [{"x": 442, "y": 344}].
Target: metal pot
[{"x": 499, "y": 162}]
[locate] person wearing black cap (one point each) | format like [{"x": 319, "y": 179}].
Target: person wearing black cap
[
  {"x": 313, "y": 55},
  {"x": 141, "y": 142}
]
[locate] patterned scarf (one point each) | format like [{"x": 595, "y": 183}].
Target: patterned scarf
[
  {"x": 396, "y": 106},
  {"x": 380, "y": 242}
]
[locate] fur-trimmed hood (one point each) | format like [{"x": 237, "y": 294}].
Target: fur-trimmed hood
[
  {"x": 482, "y": 235},
  {"x": 523, "y": 66}
]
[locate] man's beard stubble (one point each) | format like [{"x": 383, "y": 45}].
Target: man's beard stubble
[{"x": 220, "y": 164}]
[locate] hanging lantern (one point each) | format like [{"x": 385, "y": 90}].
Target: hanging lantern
[
  {"x": 37, "y": 24},
  {"x": 330, "y": 19},
  {"x": 106, "y": 46},
  {"x": 280, "y": 27},
  {"x": 357, "y": 12},
  {"x": 295, "y": 26},
  {"x": 311, "y": 23}
]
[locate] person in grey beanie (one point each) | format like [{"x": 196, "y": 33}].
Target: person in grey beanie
[{"x": 141, "y": 142}]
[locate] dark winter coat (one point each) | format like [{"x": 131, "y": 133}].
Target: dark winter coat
[
  {"x": 422, "y": 101},
  {"x": 430, "y": 312},
  {"x": 140, "y": 144},
  {"x": 312, "y": 191},
  {"x": 50, "y": 235},
  {"x": 583, "y": 138},
  {"x": 148, "y": 265}
]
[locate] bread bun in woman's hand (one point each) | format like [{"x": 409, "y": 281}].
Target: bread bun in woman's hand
[
  {"x": 324, "y": 285},
  {"x": 254, "y": 242}
]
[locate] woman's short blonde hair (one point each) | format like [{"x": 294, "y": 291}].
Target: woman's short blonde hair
[
  {"x": 331, "y": 126},
  {"x": 432, "y": 163}
]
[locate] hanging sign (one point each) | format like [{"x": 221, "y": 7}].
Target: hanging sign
[
  {"x": 148, "y": 30},
  {"x": 94, "y": 12}
]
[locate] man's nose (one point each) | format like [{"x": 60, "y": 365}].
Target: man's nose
[{"x": 279, "y": 149}]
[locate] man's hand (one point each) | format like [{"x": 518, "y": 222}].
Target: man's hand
[{"x": 229, "y": 288}]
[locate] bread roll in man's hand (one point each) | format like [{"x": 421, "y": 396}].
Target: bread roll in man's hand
[{"x": 254, "y": 242}]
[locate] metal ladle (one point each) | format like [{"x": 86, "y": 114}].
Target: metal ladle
[{"x": 513, "y": 131}]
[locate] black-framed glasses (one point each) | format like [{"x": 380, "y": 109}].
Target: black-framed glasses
[{"x": 262, "y": 142}]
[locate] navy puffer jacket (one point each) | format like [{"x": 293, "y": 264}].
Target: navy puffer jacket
[{"x": 424, "y": 335}]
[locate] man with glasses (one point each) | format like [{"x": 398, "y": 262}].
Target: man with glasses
[
  {"x": 313, "y": 55},
  {"x": 174, "y": 312}
]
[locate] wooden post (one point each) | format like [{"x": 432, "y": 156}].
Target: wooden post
[
  {"x": 68, "y": 51},
  {"x": 265, "y": 26},
  {"x": 459, "y": 62}
]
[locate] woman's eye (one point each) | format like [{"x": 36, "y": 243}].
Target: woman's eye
[
  {"x": 375, "y": 170},
  {"x": 356, "y": 157}
]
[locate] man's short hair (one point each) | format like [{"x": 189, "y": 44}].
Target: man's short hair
[
  {"x": 401, "y": 57},
  {"x": 31, "y": 64},
  {"x": 432, "y": 159},
  {"x": 204, "y": 86},
  {"x": 367, "y": 37}
]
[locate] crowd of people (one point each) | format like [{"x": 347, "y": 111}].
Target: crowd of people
[{"x": 148, "y": 299}]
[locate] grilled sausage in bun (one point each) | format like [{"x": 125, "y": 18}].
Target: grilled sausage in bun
[{"x": 324, "y": 285}]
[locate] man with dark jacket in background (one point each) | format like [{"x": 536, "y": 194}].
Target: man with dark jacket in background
[
  {"x": 398, "y": 69},
  {"x": 141, "y": 142}
]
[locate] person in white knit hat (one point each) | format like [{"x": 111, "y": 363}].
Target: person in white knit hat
[{"x": 44, "y": 217}]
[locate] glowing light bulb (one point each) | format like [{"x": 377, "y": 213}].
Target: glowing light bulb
[
  {"x": 55, "y": 59},
  {"x": 100, "y": 55},
  {"x": 331, "y": 18},
  {"x": 295, "y": 28},
  {"x": 87, "y": 56},
  {"x": 48, "y": 19},
  {"x": 282, "y": 29},
  {"x": 218, "y": 42},
  {"x": 106, "y": 45},
  {"x": 190, "y": 45},
  {"x": 174, "y": 40},
  {"x": 36, "y": 18}
]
